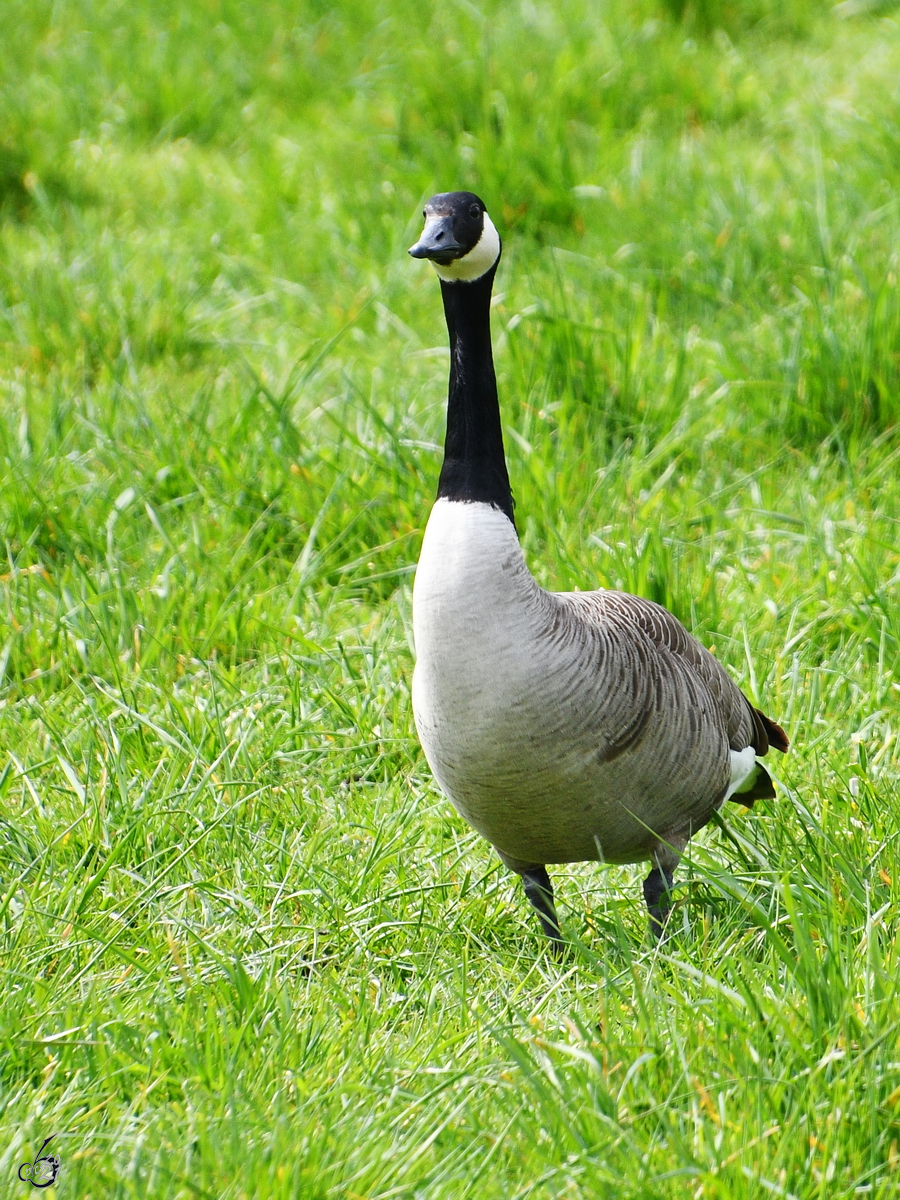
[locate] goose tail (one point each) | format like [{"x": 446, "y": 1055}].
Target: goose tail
[
  {"x": 758, "y": 786},
  {"x": 766, "y": 732},
  {"x": 775, "y": 735}
]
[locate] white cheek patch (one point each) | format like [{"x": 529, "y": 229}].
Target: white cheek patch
[{"x": 480, "y": 258}]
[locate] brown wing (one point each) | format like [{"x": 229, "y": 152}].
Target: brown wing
[{"x": 744, "y": 724}]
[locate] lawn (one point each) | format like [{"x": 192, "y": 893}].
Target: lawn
[{"x": 248, "y": 950}]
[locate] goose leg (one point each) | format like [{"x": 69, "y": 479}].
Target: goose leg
[
  {"x": 658, "y": 890},
  {"x": 539, "y": 891}
]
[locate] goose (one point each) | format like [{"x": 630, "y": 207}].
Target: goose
[{"x": 563, "y": 726}]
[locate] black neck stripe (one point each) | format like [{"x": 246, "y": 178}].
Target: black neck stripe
[{"x": 474, "y": 465}]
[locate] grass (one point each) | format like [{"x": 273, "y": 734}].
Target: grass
[{"x": 248, "y": 949}]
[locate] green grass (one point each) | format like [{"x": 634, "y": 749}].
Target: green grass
[{"x": 248, "y": 949}]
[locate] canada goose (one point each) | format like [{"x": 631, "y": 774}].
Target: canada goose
[{"x": 564, "y": 726}]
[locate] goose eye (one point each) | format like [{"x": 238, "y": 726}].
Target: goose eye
[{"x": 474, "y": 211}]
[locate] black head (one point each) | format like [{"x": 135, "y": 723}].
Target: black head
[{"x": 459, "y": 237}]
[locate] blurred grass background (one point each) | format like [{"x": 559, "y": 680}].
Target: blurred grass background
[{"x": 248, "y": 949}]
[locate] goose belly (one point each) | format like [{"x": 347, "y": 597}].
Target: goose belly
[{"x": 514, "y": 709}]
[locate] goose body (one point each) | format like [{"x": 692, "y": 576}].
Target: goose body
[{"x": 563, "y": 726}]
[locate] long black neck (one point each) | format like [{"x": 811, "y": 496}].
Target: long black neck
[{"x": 474, "y": 463}]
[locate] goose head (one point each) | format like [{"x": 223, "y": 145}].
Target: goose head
[{"x": 459, "y": 237}]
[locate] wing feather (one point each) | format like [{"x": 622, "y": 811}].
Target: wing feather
[{"x": 744, "y": 724}]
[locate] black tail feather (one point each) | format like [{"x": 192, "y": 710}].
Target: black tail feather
[
  {"x": 766, "y": 732},
  {"x": 775, "y": 734},
  {"x": 763, "y": 789}
]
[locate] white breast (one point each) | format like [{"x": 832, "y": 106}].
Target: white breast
[
  {"x": 474, "y": 601},
  {"x": 476, "y": 610}
]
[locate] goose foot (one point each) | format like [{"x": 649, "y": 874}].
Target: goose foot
[
  {"x": 539, "y": 891},
  {"x": 658, "y": 893}
]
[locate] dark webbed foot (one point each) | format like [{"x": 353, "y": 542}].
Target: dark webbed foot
[
  {"x": 539, "y": 891},
  {"x": 658, "y": 894}
]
